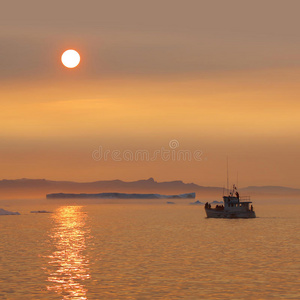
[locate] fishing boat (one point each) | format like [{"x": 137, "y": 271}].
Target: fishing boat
[{"x": 233, "y": 206}]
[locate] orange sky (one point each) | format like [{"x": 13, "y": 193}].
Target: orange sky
[{"x": 226, "y": 88}]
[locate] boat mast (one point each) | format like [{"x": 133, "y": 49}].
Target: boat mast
[{"x": 227, "y": 177}]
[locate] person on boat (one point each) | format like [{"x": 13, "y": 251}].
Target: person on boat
[
  {"x": 251, "y": 207},
  {"x": 237, "y": 195}
]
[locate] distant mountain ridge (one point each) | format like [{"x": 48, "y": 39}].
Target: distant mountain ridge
[{"x": 40, "y": 187}]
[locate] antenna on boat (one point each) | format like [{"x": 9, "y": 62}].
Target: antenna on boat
[
  {"x": 237, "y": 179},
  {"x": 227, "y": 177}
]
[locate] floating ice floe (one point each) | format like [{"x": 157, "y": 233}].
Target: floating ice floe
[
  {"x": 196, "y": 203},
  {"x": 216, "y": 202},
  {"x": 119, "y": 196},
  {"x": 6, "y": 212}
]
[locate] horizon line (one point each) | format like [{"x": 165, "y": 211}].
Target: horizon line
[{"x": 152, "y": 179}]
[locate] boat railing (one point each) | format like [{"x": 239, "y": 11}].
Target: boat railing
[{"x": 245, "y": 198}]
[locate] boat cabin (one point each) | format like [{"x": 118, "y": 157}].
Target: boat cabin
[{"x": 232, "y": 203}]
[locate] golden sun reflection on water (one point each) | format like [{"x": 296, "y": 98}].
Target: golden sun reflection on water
[{"x": 68, "y": 265}]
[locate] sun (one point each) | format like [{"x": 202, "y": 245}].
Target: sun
[{"x": 70, "y": 58}]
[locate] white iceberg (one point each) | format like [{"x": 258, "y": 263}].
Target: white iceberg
[
  {"x": 119, "y": 196},
  {"x": 6, "y": 212},
  {"x": 217, "y": 202},
  {"x": 196, "y": 203}
]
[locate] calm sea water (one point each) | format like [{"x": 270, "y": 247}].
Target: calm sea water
[{"x": 128, "y": 250}]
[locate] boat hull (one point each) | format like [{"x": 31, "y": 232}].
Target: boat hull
[{"x": 222, "y": 214}]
